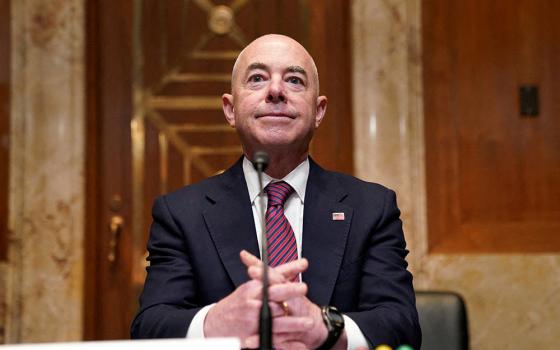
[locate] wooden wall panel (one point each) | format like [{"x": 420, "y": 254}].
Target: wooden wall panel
[
  {"x": 333, "y": 144},
  {"x": 4, "y": 122},
  {"x": 493, "y": 177}
]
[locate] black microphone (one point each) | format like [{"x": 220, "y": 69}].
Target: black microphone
[{"x": 260, "y": 162}]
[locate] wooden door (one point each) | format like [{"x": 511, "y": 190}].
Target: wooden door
[
  {"x": 156, "y": 71},
  {"x": 493, "y": 174}
]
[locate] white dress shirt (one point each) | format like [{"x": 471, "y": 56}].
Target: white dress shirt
[{"x": 293, "y": 209}]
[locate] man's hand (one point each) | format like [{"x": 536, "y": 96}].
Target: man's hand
[
  {"x": 303, "y": 327},
  {"x": 237, "y": 314}
]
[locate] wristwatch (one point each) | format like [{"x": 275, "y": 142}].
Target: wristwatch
[{"x": 335, "y": 325}]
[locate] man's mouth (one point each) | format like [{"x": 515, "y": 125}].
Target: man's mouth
[{"x": 275, "y": 115}]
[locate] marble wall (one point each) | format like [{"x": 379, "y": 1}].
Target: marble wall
[
  {"x": 513, "y": 301},
  {"x": 43, "y": 284}
]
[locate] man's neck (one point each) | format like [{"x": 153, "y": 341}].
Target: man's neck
[{"x": 281, "y": 164}]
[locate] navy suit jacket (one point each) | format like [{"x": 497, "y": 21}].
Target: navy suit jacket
[{"x": 356, "y": 264}]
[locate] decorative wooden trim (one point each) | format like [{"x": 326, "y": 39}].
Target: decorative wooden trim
[
  {"x": 4, "y": 123},
  {"x": 92, "y": 164}
]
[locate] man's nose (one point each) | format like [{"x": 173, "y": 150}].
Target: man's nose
[{"x": 276, "y": 92}]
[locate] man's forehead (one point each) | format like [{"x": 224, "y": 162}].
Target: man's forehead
[
  {"x": 287, "y": 68},
  {"x": 278, "y": 51},
  {"x": 273, "y": 44},
  {"x": 275, "y": 48}
]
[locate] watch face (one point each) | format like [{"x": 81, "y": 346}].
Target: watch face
[
  {"x": 337, "y": 321},
  {"x": 335, "y": 324}
]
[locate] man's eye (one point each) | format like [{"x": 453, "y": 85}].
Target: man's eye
[
  {"x": 256, "y": 78},
  {"x": 295, "y": 80}
]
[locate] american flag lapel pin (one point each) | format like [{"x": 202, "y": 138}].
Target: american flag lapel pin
[{"x": 338, "y": 216}]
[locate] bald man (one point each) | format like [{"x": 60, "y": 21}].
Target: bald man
[{"x": 340, "y": 280}]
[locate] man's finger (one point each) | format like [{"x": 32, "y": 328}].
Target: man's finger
[
  {"x": 249, "y": 259},
  {"x": 255, "y": 272},
  {"x": 276, "y": 309},
  {"x": 286, "y": 291},
  {"x": 292, "y": 345},
  {"x": 293, "y": 268},
  {"x": 252, "y": 289},
  {"x": 281, "y": 273},
  {"x": 291, "y": 324},
  {"x": 251, "y": 342}
]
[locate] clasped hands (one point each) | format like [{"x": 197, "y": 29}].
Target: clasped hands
[{"x": 299, "y": 326}]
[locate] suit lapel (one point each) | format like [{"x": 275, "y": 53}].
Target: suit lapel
[
  {"x": 230, "y": 222},
  {"x": 324, "y": 238}
]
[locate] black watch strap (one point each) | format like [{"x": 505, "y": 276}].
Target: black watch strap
[{"x": 335, "y": 325}]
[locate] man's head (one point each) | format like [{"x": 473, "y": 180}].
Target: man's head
[{"x": 274, "y": 103}]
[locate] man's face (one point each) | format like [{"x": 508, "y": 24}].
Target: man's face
[{"x": 274, "y": 103}]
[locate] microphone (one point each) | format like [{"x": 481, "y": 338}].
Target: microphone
[{"x": 260, "y": 162}]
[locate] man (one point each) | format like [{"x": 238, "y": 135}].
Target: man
[{"x": 204, "y": 276}]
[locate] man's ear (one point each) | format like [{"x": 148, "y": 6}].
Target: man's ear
[
  {"x": 227, "y": 105},
  {"x": 321, "y": 109}
]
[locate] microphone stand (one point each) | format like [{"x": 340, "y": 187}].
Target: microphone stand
[{"x": 260, "y": 162}]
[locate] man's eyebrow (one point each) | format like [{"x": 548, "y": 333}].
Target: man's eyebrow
[
  {"x": 290, "y": 69},
  {"x": 297, "y": 69},
  {"x": 256, "y": 65}
]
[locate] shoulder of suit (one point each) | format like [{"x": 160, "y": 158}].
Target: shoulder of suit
[{"x": 353, "y": 184}]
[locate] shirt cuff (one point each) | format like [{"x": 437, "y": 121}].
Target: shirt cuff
[
  {"x": 196, "y": 328},
  {"x": 356, "y": 338}
]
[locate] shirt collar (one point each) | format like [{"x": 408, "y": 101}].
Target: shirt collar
[{"x": 297, "y": 178}]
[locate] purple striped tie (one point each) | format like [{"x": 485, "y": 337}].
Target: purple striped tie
[{"x": 282, "y": 246}]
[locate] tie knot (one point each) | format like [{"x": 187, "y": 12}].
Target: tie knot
[{"x": 278, "y": 192}]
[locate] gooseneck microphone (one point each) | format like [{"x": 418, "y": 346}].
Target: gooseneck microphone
[{"x": 260, "y": 162}]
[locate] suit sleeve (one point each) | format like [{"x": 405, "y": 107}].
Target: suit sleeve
[
  {"x": 386, "y": 308},
  {"x": 168, "y": 302}
]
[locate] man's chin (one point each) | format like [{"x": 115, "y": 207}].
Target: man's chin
[
  {"x": 272, "y": 141},
  {"x": 275, "y": 138},
  {"x": 271, "y": 145}
]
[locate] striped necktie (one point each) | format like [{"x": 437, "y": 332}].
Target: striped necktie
[{"x": 282, "y": 247}]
